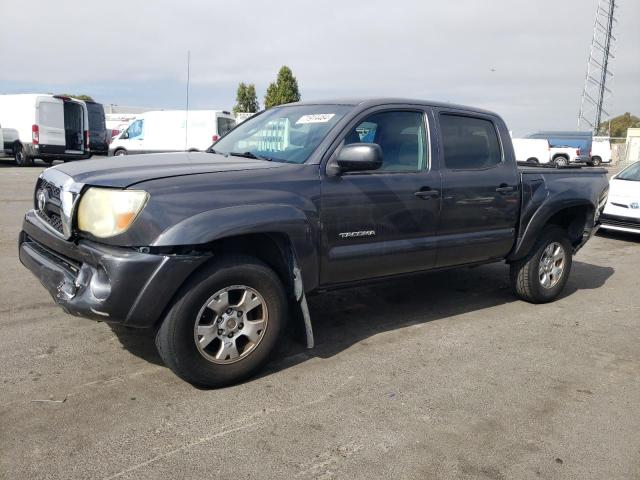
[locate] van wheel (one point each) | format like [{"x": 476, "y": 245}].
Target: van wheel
[
  {"x": 561, "y": 161},
  {"x": 532, "y": 160},
  {"x": 596, "y": 161},
  {"x": 48, "y": 161},
  {"x": 120, "y": 152},
  {"x": 540, "y": 277},
  {"x": 226, "y": 323},
  {"x": 21, "y": 157}
]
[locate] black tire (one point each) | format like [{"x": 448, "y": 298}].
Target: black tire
[
  {"x": 525, "y": 276},
  {"x": 532, "y": 160},
  {"x": 120, "y": 152},
  {"x": 175, "y": 337},
  {"x": 596, "y": 161},
  {"x": 48, "y": 161},
  {"x": 21, "y": 157},
  {"x": 561, "y": 161}
]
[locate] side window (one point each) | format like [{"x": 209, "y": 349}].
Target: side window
[
  {"x": 469, "y": 143},
  {"x": 135, "y": 129},
  {"x": 401, "y": 136}
]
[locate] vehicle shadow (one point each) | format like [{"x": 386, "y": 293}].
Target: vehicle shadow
[{"x": 345, "y": 317}]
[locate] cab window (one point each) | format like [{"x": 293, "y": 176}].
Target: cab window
[
  {"x": 469, "y": 143},
  {"x": 401, "y": 136}
]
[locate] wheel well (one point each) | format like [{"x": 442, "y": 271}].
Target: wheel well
[
  {"x": 532, "y": 160},
  {"x": 573, "y": 220},
  {"x": 563, "y": 155},
  {"x": 15, "y": 145}
]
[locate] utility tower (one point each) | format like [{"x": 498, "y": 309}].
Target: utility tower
[{"x": 595, "y": 90}]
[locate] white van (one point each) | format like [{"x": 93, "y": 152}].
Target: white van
[
  {"x": 172, "y": 131},
  {"x": 49, "y": 127},
  {"x": 531, "y": 150},
  {"x": 601, "y": 150}
]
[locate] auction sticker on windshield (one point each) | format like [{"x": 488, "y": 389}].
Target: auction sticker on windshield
[{"x": 316, "y": 118}]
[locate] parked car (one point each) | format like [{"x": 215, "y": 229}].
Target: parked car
[
  {"x": 48, "y": 127},
  {"x": 570, "y": 143},
  {"x": 216, "y": 250},
  {"x": 622, "y": 211},
  {"x": 1, "y": 142},
  {"x": 98, "y": 135},
  {"x": 531, "y": 150},
  {"x": 172, "y": 131},
  {"x": 601, "y": 150}
]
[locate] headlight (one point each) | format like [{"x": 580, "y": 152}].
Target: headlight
[{"x": 106, "y": 212}]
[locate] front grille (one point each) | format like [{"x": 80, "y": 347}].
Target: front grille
[
  {"x": 54, "y": 191},
  {"x": 618, "y": 221},
  {"x": 52, "y": 219},
  {"x": 53, "y": 205}
]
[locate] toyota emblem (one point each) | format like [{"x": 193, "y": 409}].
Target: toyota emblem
[{"x": 42, "y": 200}]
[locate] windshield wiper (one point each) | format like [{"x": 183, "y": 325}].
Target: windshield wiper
[{"x": 249, "y": 155}]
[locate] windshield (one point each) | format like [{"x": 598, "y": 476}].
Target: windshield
[
  {"x": 630, "y": 173},
  {"x": 284, "y": 134}
]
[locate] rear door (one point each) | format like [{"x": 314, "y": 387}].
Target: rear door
[
  {"x": 224, "y": 124},
  {"x": 480, "y": 189},
  {"x": 382, "y": 222},
  {"x": 50, "y": 124}
]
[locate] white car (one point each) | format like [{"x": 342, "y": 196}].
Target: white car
[
  {"x": 172, "y": 131},
  {"x": 622, "y": 211},
  {"x": 531, "y": 150}
]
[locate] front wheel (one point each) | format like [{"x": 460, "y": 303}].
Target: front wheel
[
  {"x": 119, "y": 153},
  {"x": 540, "y": 277},
  {"x": 226, "y": 323}
]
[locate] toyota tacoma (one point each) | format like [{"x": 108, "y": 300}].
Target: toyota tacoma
[{"x": 216, "y": 250}]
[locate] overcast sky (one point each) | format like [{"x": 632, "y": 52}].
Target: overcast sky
[{"x": 134, "y": 52}]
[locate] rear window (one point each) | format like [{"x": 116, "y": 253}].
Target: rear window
[
  {"x": 469, "y": 143},
  {"x": 225, "y": 125}
]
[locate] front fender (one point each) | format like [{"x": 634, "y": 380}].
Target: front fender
[{"x": 217, "y": 224}]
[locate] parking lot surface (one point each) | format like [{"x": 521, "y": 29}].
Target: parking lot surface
[{"x": 442, "y": 375}]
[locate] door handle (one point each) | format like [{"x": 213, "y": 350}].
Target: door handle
[
  {"x": 504, "y": 189},
  {"x": 426, "y": 193}
]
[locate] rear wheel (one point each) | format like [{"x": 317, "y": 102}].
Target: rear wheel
[
  {"x": 540, "y": 277},
  {"x": 596, "y": 161},
  {"x": 225, "y": 325},
  {"x": 120, "y": 152},
  {"x": 532, "y": 160},
  {"x": 561, "y": 161},
  {"x": 21, "y": 157},
  {"x": 48, "y": 161}
]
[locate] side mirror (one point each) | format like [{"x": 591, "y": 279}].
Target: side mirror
[
  {"x": 359, "y": 157},
  {"x": 124, "y": 135}
]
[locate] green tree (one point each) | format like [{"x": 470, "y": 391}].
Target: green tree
[
  {"x": 618, "y": 125},
  {"x": 85, "y": 98},
  {"x": 246, "y": 99},
  {"x": 283, "y": 90}
]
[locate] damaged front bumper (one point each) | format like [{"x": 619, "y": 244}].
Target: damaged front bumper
[{"x": 86, "y": 279}]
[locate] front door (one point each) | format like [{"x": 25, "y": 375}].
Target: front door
[
  {"x": 480, "y": 191},
  {"x": 382, "y": 222}
]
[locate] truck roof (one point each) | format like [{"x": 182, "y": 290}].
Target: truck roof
[{"x": 374, "y": 101}]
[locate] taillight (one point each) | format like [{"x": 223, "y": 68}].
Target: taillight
[
  {"x": 578, "y": 152},
  {"x": 215, "y": 138},
  {"x": 86, "y": 139},
  {"x": 35, "y": 134}
]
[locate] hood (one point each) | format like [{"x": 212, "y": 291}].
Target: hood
[
  {"x": 124, "y": 171},
  {"x": 624, "y": 189}
]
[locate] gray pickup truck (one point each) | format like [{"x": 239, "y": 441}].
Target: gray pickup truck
[{"x": 216, "y": 250}]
